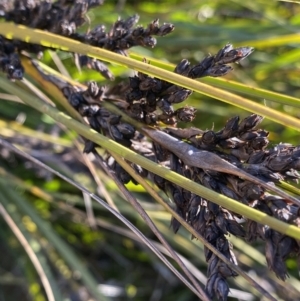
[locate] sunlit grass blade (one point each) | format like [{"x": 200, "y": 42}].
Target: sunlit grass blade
[
  {"x": 263, "y": 94},
  {"x": 131, "y": 156},
  {"x": 63, "y": 248},
  {"x": 281, "y": 40},
  {"x": 222, "y": 83},
  {"x": 230, "y": 85},
  {"x": 181, "y": 240},
  {"x": 137, "y": 206},
  {"x": 155, "y": 195},
  {"x": 46, "y": 39}
]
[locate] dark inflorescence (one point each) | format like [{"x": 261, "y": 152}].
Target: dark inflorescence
[
  {"x": 147, "y": 94},
  {"x": 122, "y": 36},
  {"x": 9, "y": 60},
  {"x": 150, "y": 101},
  {"x": 240, "y": 143},
  {"x": 63, "y": 17}
]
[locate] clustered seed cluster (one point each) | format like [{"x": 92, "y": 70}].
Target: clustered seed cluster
[
  {"x": 147, "y": 94},
  {"x": 9, "y": 60},
  {"x": 245, "y": 146},
  {"x": 150, "y": 101},
  {"x": 64, "y": 17}
]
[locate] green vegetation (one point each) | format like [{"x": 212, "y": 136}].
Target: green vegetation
[{"x": 57, "y": 242}]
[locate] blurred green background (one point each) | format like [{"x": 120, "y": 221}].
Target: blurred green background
[{"x": 77, "y": 241}]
